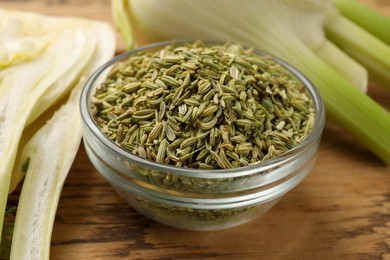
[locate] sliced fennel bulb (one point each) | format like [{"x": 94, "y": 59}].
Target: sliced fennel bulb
[
  {"x": 49, "y": 163},
  {"x": 291, "y": 30},
  {"x": 25, "y": 83},
  {"x": 42, "y": 186},
  {"x": 60, "y": 88},
  {"x": 67, "y": 51},
  {"x": 19, "y": 41}
]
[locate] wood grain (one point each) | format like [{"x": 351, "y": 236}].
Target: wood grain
[{"x": 340, "y": 211}]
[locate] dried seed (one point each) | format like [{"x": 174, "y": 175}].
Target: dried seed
[
  {"x": 187, "y": 116},
  {"x": 280, "y": 125},
  {"x": 155, "y": 131},
  {"x": 171, "y": 155},
  {"x": 161, "y": 151},
  {"x": 171, "y": 58},
  {"x": 154, "y": 102},
  {"x": 176, "y": 143},
  {"x": 209, "y": 95},
  {"x": 233, "y": 155},
  {"x": 189, "y": 65},
  {"x": 224, "y": 159},
  {"x": 202, "y": 154},
  {"x": 234, "y": 72},
  {"x": 244, "y": 122},
  {"x": 172, "y": 69},
  {"x": 161, "y": 111},
  {"x": 188, "y": 142},
  {"x": 170, "y": 81},
  {"x": 183, "y": 109},
  {"x": 208, "y": 124},
  {"x": 143, "y": 112},
  {"x": 150, "y": 85},
  {"x": 218, "y": 160},
  {"x": 197, "y": 111},
  {"x": 142, "y": 117},
  {"x": 243, "y": 148},
  {"x": 160, "y": 84},
  {"x": 242, "y": 63},
  {"x": 216, "y": 86},
  {"x": 191, "y": 102},
  {"x": 239, "y": 139},
  {"x": 170, "y": 134},
  {"x": 230, "y": 90},
  {"x": 210, "y": 110},
  {"x": 203, "y": 86},
  {"x": 119, "y": 134},
  {"x": 176, "y": 97},
  {"x": 141, "y": 152}
]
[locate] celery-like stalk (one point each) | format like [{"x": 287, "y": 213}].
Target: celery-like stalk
[
  {"x": 284, "y": 28},
  {"x": 364, "y": 47},
  {"x": 349, "y": 68},
  {"x": 49, "y": 162},
  {"x": 356, "y": 112},
  {"x": 367, "y": 18},
  {"x": 121, "y": 18}
]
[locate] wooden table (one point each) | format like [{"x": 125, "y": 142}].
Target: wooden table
[{"x": 340, "y": 211}]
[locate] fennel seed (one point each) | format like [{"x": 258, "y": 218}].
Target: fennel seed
[{"x": 207, "y": 107}]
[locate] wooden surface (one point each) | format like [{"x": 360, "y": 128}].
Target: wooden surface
[{"x": 340, "y": 211}]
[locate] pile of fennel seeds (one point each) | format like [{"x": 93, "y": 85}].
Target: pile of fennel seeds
[{"x": 201, "y": 106}]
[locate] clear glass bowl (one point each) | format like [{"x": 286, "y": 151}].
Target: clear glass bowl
[{"x": 196, "y": 199}]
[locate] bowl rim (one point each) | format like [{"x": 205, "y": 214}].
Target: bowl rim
[{"x": 314, "y": 135}]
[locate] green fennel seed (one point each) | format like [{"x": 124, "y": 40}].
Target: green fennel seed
[{"x": 201, "y": 106}]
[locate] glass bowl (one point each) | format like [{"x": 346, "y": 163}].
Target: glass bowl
[{"x": 195, "y": 199}]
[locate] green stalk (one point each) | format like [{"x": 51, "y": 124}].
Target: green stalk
[
  {"x": 121, "y": 17},
  {"x": 354, "y": 111},
  {"x": 351, "y": 70},
  {"x": 367, "y": 18},
  {"x": 362, "y": 46}
]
